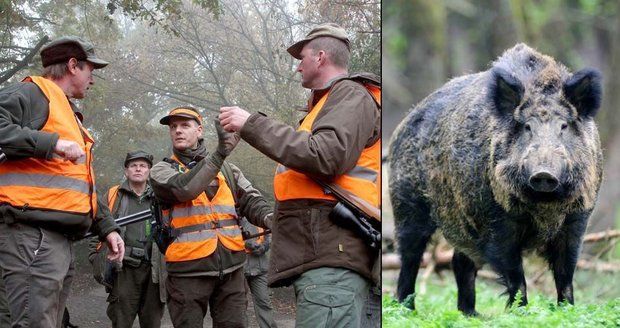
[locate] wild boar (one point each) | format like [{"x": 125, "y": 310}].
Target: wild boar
[{"x": 502, "y": 162}]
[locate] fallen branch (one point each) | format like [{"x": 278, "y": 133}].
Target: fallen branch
[
  {"x": 598, "y": 266},
  {"x": 599, "y": 236}
]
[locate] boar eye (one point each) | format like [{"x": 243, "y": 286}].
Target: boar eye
[
  {"x": 528, "y": 127},
  {"x": 564, "y": 126}
]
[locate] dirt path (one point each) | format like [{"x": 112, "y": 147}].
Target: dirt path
[{"x": 87, "y": 306}]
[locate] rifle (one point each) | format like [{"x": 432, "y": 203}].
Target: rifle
[
  {"x": 353, "y": 202},
  {"x": 247, "y": 236},
  {"x": 129, "y": 219},
  {"x": 2, "y": 156},
  {"x": 355, "y": 214},
  {"x": 146, "y": 214}
]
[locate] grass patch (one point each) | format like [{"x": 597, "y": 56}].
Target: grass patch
[{"x": 437, "y": 308}]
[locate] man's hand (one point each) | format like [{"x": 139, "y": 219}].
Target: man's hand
[
  {"x": 69, "y": 150},
  {"x": 116, "y": 247},
  {"x": 233, "y": 118},
  {"x": 226, "y": 141},
  {"x": 268, "y": 221}
]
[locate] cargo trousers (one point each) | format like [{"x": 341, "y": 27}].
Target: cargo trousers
[
  {"x": 135, "y": 294},
  {"x": 38, "y": 270},
  {"x": 330, "y": 297}
]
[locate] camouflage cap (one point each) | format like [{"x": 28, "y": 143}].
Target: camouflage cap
[
  {"x": 327, "y": 29},
  {"x": 138, "y": 154},
  {"x": 64, "y": 48},
  {"x": 185, "y": 111}
]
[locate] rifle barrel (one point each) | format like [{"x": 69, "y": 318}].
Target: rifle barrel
[{"x": 129, "y": 219}]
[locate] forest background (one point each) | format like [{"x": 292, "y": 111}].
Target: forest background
[
  {"x": 426, "y": 43},
  {"x": 202, "y": 53}
]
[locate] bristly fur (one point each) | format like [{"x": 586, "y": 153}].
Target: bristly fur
[{"x": 465, "y": 161}]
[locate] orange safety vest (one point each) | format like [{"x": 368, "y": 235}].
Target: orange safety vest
[
  {"x": 201, "y": 223},
  {"x": 364, "y": 180},
  {"x": 54, "y": 184},
  {"x": 112, "y": 195}
]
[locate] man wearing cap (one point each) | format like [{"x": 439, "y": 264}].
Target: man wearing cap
[
  {"x": 47, "y": 188},
  {"x": 138, "y": 288},
  {"x": 339, "y": 142},
  {"x": 202, "y": 196}
]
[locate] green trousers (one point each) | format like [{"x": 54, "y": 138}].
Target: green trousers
[
  {"x": 330, "y": 297},
  {"x": 135, "y": 294},
  {"x": 262, "y": 300}
]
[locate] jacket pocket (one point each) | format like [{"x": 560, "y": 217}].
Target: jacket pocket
[{"x": 295, "y": 240}]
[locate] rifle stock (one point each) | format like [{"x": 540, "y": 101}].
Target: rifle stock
[{"x": 345, "y": 196}]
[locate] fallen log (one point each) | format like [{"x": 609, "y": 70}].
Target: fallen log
[{"x": 391, "y": 261}]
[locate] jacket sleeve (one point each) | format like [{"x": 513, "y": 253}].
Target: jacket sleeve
[
  {"x": 92, "y": 248},
  {"x": 104, "y": 222},
  {"x": 172, "y": 186},
  {"x": 251, "y": 202},
  {"x": 346, "y": 124},
  {"x": 23, "y": 112}
]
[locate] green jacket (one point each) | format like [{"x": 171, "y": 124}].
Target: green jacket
[
  {"x": 23, "y": 112},
  {"x": 137, "y": 236},
  {"x": 171, "y": 186}
]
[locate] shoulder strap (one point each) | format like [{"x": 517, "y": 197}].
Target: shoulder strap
[
  {"x": 230, "y": 179},
  {"x": 113, "y": 197}
]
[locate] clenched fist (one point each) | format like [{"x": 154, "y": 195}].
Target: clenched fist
[{"x": 69, "y": 150}]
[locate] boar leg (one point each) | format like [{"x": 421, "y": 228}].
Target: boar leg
[
  {"x": 504, "y": 255},
  {"x": 465, "y": 273},
  {"x": 562, "y": 253},
  {"x": 414, "y": 229}
]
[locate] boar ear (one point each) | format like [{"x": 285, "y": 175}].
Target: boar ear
[
  {"x": 584, "y": 90},
  {"x": 505, "y": 91}
]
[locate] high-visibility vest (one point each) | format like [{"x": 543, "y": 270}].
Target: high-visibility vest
[
  {"x": 364, "y": 180},
  {"x": 112, "y": 195},
  {"x": 54, "y": 184},
  {"x": 201, "y": 223}
]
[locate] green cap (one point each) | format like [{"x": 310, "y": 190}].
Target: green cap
[
  {"x": 138, "y": 154},
  {"x": 64, "y": 48},
  {"x": 328, "y": 29}
]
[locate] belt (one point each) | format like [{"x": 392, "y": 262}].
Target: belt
[{"x": 210, "y": 225}]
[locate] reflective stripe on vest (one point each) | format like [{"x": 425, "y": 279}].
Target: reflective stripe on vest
[
  {"x": 195, "y": 244},
  {"x": 53, "y": 184},
  {"x": 363, "y": 180}
]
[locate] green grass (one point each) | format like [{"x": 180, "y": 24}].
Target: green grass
[{"x": 437, "y": 308}]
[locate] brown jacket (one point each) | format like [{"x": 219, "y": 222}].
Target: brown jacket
[
  {"x": 171, "y": 186},
  {"x": 304, "y": 237}
]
